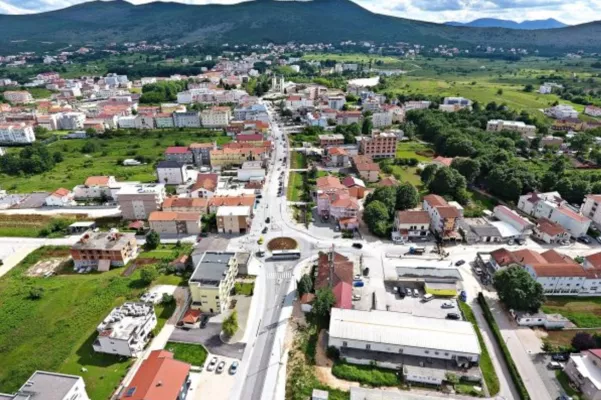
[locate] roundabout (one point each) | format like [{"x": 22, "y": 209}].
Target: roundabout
[{"x": 282, "y": 243}]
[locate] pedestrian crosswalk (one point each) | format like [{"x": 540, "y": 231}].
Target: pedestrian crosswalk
[{"x": 279, "y": 275}]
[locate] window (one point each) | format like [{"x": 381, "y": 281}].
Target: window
[
  {"x": 368, "y": 347},
  {"x": 427, "y": 351},
  {"x": 344, "y": 344}
]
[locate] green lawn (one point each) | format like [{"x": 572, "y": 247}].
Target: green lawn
[
  {"x": 77, "y": 166},
  {"x": 407, "y": 174},
  {"x": 167, "y": 252},
  {"x": 244, "y": 288},
  {"x": 584, "y": 312},
  {"x": 410, "y": 150},
  {"x": 352, "y": 58},
  {"x": 564, "y": 381},
  {"x": 34, "y": 225},
  {"x": 298, "y": 160},
  {"x": 194, "y": 354},
  {"x": 295, "y": 186},
  {"x": 56, "y": 332}
]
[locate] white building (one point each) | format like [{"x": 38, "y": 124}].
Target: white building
[
  {"x": 401, "y": 333},
  {"x": 590, "y": 208},
  {"x": 188, "y": 119},
  {"x": 551, "y": 206},
  {"x": 60, "y": 198},
  {"x": 593, "y": 111},
  {"x": 452, "y": 104},
  {"x": 96, "y": 187},
  {"x": 522, "y": 225},
  {"x": 497, "y": 125},
  {"x": 17, "y": 133},
  {"x": 127, "y": 122},
  {"x": 336, "y": 102},
  {"x": 126, "y": 330},
  {"x": 416, "y": 105},
  {"x": 561, "y": 111},
  {"x": 43, "y": 385},
  {"x": 172, "y": 173},
  {"x": 584, "y": 369},
  {"x": 72, "y": 120},
  {"x": 18, "y": 96},
  {"x": 251, "y": 171},
  {"x": 216, "y": 117},
  {"x": 381, "y": 119}
]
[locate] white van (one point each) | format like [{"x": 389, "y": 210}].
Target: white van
[{"x": 427, "y": 297}]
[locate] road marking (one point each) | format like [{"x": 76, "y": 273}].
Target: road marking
[{"x": 279, "y": 275}]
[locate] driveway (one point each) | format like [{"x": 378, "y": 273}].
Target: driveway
[
  {"x": 212, "y": 385},
  {"x": 209, "y": 337}
]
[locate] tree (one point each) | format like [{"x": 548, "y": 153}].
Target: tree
[
  {"x": 500, "y": 92},
  {"x": 366, "y": 127},
  {"x": 305, "y": 285},
  {"x": 406, "y": 196},
  {"x": 58, "y": 157},
  {"x": 581, "y": 142},
  {"x": 518, "y": 290},
  {"x": 583, "y": 341},
  {"x": 230, "y": 324},
  {"x": 148, "y": 275},
  {"x": 428, "y": 173},
  {"x": 323, "y": 303},
  {"x": 89, "y": 147},
  {"x": 377, "y": 218},
  {"x": 573, "y": 190},
  {"x": 468, "y": 167},
  {"x": 559, "y": 165},
  {"x": 447, "y": 182},
  {"x": 385, "y": 194},
  {"x": 528, "y": 88},
  {"x": 153, "y": 240}
]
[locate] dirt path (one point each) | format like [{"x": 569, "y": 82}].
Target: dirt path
[{"x": 323, "y": 366}]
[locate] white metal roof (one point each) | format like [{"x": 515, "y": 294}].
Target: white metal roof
[
  {"x": 404, "y": 330},
  {"x": 505, "y": 229}
]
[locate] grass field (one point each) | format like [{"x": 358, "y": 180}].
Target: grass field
[
  {"x": 411, "y": 150},
  {"x": 194, "y": 354},
  {"x": 19, "y": 225},
  {"x": 564, "y": 338},
  {"x": 298, "y": 160},
  {"x": 167, "y": 251},
  {"x": 56, "y": 332},
  {"x": 295, "y": 186},
  {"x": 77, "y": 166},
  {"x": 352, "y": 58},
  {"x": 583, "y": 312}
]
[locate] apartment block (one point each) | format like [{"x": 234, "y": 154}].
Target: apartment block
[
  {"x": 175, "y": 223},
  {"x": 16, "y": 133},
  {"x": 43, "y": 385},
  {"x": 379, "y": 145},
  {"x": 216, "y": 117},
  {"x": 212, "y": 281},
  {"x": 180, "y": 154},
  {"x": 18, "y": 96},
  {"x": 233, "y": 219},
  {"x": 186, "y": 119},
  {"x": 497, "y": 125},
  {"x": 102, "y": 250},
  {"x": 138, "y": 201}
]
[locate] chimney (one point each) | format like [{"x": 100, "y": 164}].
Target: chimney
[{"x": 160, "y": 383}]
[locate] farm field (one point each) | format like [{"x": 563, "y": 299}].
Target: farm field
[
  {"x": 77, "y": 165},
  {"x": 583, "y": 312},
  {"x": 55, "y": 332}
]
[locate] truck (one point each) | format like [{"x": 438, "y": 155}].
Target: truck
[{"x": 418, "y": 251}]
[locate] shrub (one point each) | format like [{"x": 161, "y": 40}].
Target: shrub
[
  {"x": 36, "y": 293},
  {"x": 366, "y": 374},
  {"x": 230, "y": 324},
  {"x": 167, "y": 299}
]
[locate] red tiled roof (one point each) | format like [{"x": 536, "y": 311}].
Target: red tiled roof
[
  {"x": 448, "y": 212},
  {"x": 572, "y": 214},
  {"x": 388, "y": 181},
  {"x": 191, "y": 316},
  {"x": 446, "y": 161},
  {"x": 350, "y": 181},
  {"x": 553, "y": 257},
  {"x": 61, "y": 192},
  {"x": 503, "y": 257},
  {"x": 173, "y": 216},
  {"x": 307, "y": 298},
  {"x": 367, "y": 167},
  {"x": 594, "y": 260},
  {"x": 435, "y": 200},
  {"x": 549, "y": 227},
  {"x": 176, "y": 150},
  {"x": 337, "y": 151},
  {"x": 97, "y": 181},
  {"x": 556, "y": 270},
  {"x": 595, "y": 197},
  {"x": 206, "y": 181},
  {"x": 342, "y": 270},
  {"x": 185, "y": 202},
  {"x": 218, "y": 201},
  {"x": 527, "y": 256},
  {"x": 159, "y": 377},
  {"x": 328, "y": 182},
  {"x": 413, "y": 217},
  {"x": 249, "y": 138},
  {"x": 343, "y": 291}
]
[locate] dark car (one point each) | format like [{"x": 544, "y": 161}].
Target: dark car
[
  {"x": 204, "y": 320},
  {"x": 366, "y": 271},
  {"x": 560, "y": 357},
  {"x": 267, "y": 220},
  {"x": 454, "y": 316},
  {"x": 264, "y": 230},
  {"x": 460, "y": 262},
  {"x": 357, "y": 245},
  {"x": 584, "y": 239}
]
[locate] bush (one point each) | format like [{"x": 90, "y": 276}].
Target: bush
[
  {"x": 230, "y": 324},
  {"x": 36, "y": 293},
  {"x": 148, "y": 275},
  {"x": 513, "y": 371},
  {"x": 366, "y": 374},
  {"x": 167, "y": 299}
]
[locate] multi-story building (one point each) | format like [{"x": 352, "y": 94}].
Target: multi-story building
[
  {"x": 233, "y": 219},
  {"x": 242, "y": 200},
  {"x": 550, "y": 232},
  {"x": 186, "y": 119},
  {"x": 348, "y": 117},
  {"x": 452, "y": 104},
  {"x": 126, "y": 330},
  {"x": 522, "y": 225},
  {"x": 584, "y": 369},
  {"x": 593, "y": 111},
  {"x": 43, "y": 385},
  {"x": 443, "y": 216},
  {"x": 72, "y": 121},
  {"x": 410, "y": 225},
  {"x": 17, "y": 133},
  {"x": 251, "y": 171},
  {"x": 61, "y": 197},
  {"x": 381, "y": 119},
  {"x": 186, "y": 204},
  {"x": 18, "y": 96},
  {"x": 379, "y": 145},
  {"x": 180, "y": 154},
  {"x": 336, "y": 102},
  {"x": 172, "y": 172},
  {"x": 164, "y": 121},
  {"x": 497, "y": 125},
  {"x": 202, "y": 152},
  {"x": 138, "y": 201},
  {"x": 205, "y": 186},
  {"x": 336, "y": 157},
  {"x": 366, "y": 168},
  {"x": 561, "y": 111},
  {"x": 216, "y": 117},
  {"x": 212, "y": 281},
  {"x": 159, "y": 377},
  {"x": 236, "y": 156},
  {"x": 416, "y": 105},
  {"x": 102, "y": 250},
  {"x": 590, "y": 208},
  {"x": 175, "y": 223},
  {"x": 95, "y": 187},
  {"x": 332, "y": 139}
]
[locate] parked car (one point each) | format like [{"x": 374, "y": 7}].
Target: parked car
[
  {"x": 204, "y": 320},
  {"x": 554, "y": 365},
  {"x": 267, "y": 220},
  {"x": 560, "y": 357},
  {"x": 356, "y": 297},
  {"x": 234, "y": 368},
  {"x": 220, "y": 367},
  {"x": 584, "y": 239},
  {"x": 212, "y": 364},
  {"x": 447, "y": 304},
  {"x": 357, "y": 245},
  {"x": 460, "y": 262},
  {"x": 415, "y": 293},
  {"x": 357, "y": 277},
  {"x": 427, "y": 297},
  {"x": 453, "y": 316},
  {"x": 264, "y": 230},
  {"x": 366, "y": 271},
  {"x": 408, "y": 291}
]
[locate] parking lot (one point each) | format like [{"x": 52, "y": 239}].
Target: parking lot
[
  {"x": 213, "y": 385},
  {"x": 552, "y": 385}
]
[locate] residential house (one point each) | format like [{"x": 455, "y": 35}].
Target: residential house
[
  {"x": 593, "y": 111},
  {"x": 175, "y": 223},
  {"x": 43, "y": 385},
  {"x": 416, "y": 105},
  {"x": 497, "y": 125},
  {"x": 102, "y": 250},
  {"x": 366, "y": 168},
  {"x": 216, "y": 117},
  {"x": 172, "y": 172},
  {"x": 336, "y": 102},
  {"x": 356, "y": 187},
  {"x": 229, "y": 156},
  {"x": 584, "y": 370},
  {"x": 126, "y": 330},
  {"x": 186, "y": 119},
  {"x": 382, "y": 119},
  {"x": 332, "y": 139},
  {"x": 205, "y": 186},
  {"x": 379, "y": 145},
  {"x": 336, "y": 272},
  {"x": 522, "y": 225},
  {"x": 389, "y": 181},
  {"x": 244, "y": 200},
  {"x": 452, "y": 104},
  {"x": 159, "y": 377},
  {"x": 181, "y": 154},
  {"x": 60, "y": 198},
  {"x": 186, "y": 205},
  {"x": 411, "y": 225},
  {"x": 336, "y": 157},
  {"x": 95, "y": 187},
  {"x": 550, "y": 232},
  {"x": 443, "y": 216},
  {"x": 348, "y": 117},
  {"x": 251, "y": 171},
  {"x": 202, "y": 152},
  {"x": 443, "y": 161},
  {"x": 590, "y": 208},
  {"x": 138, "y": 201},
  {"x": 561, "y": 111},
  {"x": 212, "y": 281},
  {"x": 233, "y": 219}
]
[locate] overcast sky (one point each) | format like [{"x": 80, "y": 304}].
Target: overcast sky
[{"x": 568, "y": 11}]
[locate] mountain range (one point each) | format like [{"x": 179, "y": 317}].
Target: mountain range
[
  {"x": 263, "y": 21},
  {"x": 503, "y": 23}
]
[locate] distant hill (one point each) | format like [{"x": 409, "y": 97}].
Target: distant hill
[
  {"x": 263, "y": 21},
  {"x": 503, "y": 23}
]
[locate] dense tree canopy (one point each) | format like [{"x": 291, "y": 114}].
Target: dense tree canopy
[{"x": 518, "y": 290}]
